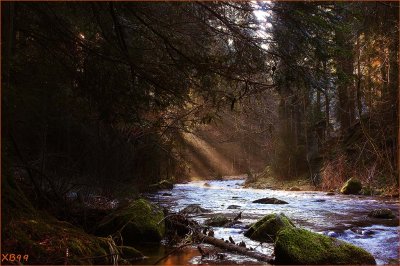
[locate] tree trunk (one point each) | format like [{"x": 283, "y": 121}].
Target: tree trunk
[{"x": 344, "y": 66}]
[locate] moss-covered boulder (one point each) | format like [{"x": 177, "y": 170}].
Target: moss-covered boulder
[
  {"x": 382, "y": 214},
  {"x": 299, "y": 246},
  {"x": 352, "y": 186},
  {"x": 218, "y": 220},
  {"x": 140, "y": 221},
  {"x": 266, "y": 229},
  {"x": 163, "y": 184}
]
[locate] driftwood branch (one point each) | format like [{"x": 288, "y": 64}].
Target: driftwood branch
[
  {"x": 234, "y": 248},
  {"x": 185, "y": 225}
]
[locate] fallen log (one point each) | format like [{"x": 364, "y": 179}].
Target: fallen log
[
  {"x": 233, "y": 248},
  {"x": 183, "y": 226}
]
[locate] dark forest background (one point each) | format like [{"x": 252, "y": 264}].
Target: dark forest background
[{"x": 102, "y": 95}]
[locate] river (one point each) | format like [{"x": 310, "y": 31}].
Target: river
[{"x": 343, "y": 216}]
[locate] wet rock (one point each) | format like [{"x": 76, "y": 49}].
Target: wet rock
[
  {"x": 163, "y": 184},
  {"x": 167, "y": 194},
  {"x": 367, "y": 232},
  {"x": 299, "y": 246},
  {"x": 294, "y": 189},
  {"x": 382, "y": 214},
  {"x": 234, "y": 197},
  {"x": 233, "y": 207},
  {"x": 267, "y": 228},
  {"x": 352, "y": 186},
  {"x": 139, "y": 221},
  {"x": 194, "y": 209},
  {"x": 319, "y": 200},
  {"x": 270, "y": 201},
  {"x": 330, "y": 193},
  {"x": 332, "y": 234},
  {"x": 218, "y": 220},
  {"x": 206, "y": 185}
]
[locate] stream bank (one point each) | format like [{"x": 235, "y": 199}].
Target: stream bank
[{"x": 342, "y": 216}]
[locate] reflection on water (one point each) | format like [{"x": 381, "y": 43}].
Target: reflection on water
[
  {"x": 345, "y": 215},
  {"x": 157, "y": 253}
]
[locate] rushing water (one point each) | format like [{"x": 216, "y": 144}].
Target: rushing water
[{"x": 344, "y": 217}]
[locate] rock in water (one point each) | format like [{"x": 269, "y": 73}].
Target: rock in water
[
  {"x": 352, "y": 186},
  {"x": 194, "y": 209},
  {"x": 382, "y": 214},
  {"x": 140, "y": 221},
  {"x": 233, "y": 207},
  {"x": 299, "y": 246},
  {"x": 266, "y": 229},
  {"x": 270, "y": 201},
  {"x": 217, "y": 220}
]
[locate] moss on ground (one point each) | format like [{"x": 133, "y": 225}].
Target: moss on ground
[
  {"x": 299, "y": 246},
  {"x": 140, "y": 221},
  {"x": 26, "y": 230}
]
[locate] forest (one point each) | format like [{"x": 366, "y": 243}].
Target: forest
[{"x": 118, "y": 116}]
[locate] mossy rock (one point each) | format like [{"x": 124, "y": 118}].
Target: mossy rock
[
  {"x": 266, "y": 229},
  {"x": 299, "y": 246},
  {"x": 163, "y": 184},
  {"x": 382, "y": 214},
  {"x": 140, "y": 221},
  {"x": 352, "y": 186},
  {"x": 218, "y": 220}
]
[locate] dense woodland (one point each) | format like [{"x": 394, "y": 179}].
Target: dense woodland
[{"x": 101, "y": 96}]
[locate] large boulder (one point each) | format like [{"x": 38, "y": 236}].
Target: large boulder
[
  {"x": 140, "y": 221},
  {"x": 266, "y": 229},
  {"x": 270, "y": 201},
  {"x": 352, "y": 186},
  {"x": 382, "y": 214},
  {"x": 299, "y": 246}
]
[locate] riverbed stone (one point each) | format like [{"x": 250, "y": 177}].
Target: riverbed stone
[
  {"x": 140, "y": 221},
  {"x": 270, "y": 201},
  {"x": 299, "y": 246},
  {"x": 382, "y": 214},
  {"x": 266, "y": 229},
  {"x": 194, "y": 209},
  {"x": 233, "y": 207},
  {"x": 352, "y": 186},
  {"x": 218, "y": 220}
]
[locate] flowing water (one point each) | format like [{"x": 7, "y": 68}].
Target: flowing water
[{"x": 341, "y": 216}]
